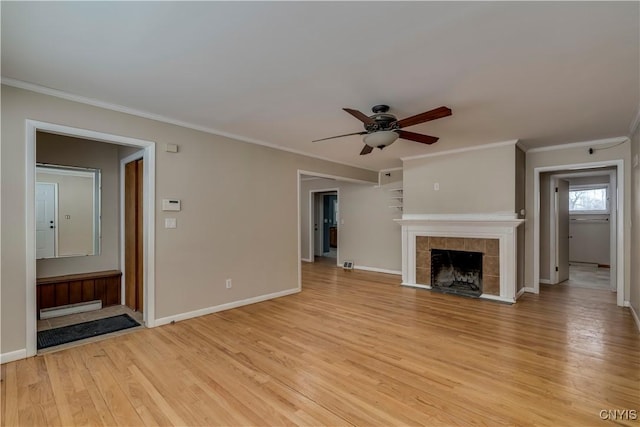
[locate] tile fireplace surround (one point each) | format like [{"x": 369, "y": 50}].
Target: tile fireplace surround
[{"x": 492, "y": 234}]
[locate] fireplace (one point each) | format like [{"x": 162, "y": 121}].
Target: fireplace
[
  {"x": 492, "y": 235},
  {"x": 456, "y": 272}
]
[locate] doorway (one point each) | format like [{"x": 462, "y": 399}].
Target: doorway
[
  {"x": 148, "y": 149},
  {"x": 556, "y": 226},
  {"x": 324, "y": 223}
]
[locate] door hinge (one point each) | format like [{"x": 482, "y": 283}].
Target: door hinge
[
  {"x": 556, "y": 189},
  {"x": 556, "y": 268}
]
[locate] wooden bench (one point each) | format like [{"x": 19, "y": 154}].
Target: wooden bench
[{"x": 75, "y": 288}]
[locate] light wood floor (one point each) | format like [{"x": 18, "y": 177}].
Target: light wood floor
[{"x": 353, "y": 348}]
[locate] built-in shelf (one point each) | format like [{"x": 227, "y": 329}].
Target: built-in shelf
[{"x": 396, "y": 198}]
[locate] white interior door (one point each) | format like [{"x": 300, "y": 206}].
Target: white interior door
[
  {"x": 45, "y": 220},
  {"x": 562, "y": 230}
]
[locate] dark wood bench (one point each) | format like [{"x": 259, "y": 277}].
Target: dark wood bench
[{"x": 75, "y": 288}]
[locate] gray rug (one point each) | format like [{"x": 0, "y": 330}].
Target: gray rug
[{"x": 80, "y": 331}]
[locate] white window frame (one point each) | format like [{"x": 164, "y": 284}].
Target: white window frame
[{"x": 583, "y": 187}]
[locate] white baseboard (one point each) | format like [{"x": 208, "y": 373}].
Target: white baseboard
[
  {"x": 520, "y": 293},
  {"x": 545, "y": 281},
  {"x": 13, "y": 356},
  {"x": 635, "y": 317},
  {"x": 497, "y": 298},
  {"x": 416, "y": 285},
  {"x": 377, "y": 270},
  {"x": 222, "y": 307},
  {"x": 530, "y": 290},
  {"x": 306, "y": 260}
]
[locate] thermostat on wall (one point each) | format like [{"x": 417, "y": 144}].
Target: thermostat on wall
[{"x": 170, "y": 205}]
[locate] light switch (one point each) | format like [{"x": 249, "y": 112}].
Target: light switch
[
  {"x": 170, "y": 223},
  {"x": 436, "y": 186}
]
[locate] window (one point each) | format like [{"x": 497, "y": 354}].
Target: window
[{"x": 589, "y": 199}]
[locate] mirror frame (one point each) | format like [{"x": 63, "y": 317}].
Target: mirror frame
[{"x": 97, "y": 202}]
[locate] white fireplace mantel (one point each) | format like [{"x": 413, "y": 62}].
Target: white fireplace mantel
[{"x": 499, "y": 226}]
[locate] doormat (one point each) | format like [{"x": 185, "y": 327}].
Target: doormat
[{"x": 80, "y": 331}]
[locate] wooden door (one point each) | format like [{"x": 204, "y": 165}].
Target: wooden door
[{"x": 133, "y": 235}]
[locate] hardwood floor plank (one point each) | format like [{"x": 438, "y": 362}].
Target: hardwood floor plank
[{"x": 353, "y": 348}]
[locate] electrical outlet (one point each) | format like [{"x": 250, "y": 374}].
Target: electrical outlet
[{"x": 228, "y": 283}]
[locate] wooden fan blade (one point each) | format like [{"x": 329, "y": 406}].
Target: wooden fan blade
[
  {"x": 340, "y": 136},
  {"x": 417, "y": 137},
  {"x": 360, "y": 116},
  {"x": 366, "y": 150},
  {"x": 436, "y": 113}
]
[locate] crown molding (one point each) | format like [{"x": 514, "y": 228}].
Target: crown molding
[
  {"x": 521, "y": 146},
  {"x": 146, "y": 115},
  {"x": 635, "y": 123},
  {"x": 593, "y": 143},
  {"x": 462, "y": 150}
]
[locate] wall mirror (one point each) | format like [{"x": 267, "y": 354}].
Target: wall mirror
[{"x": 67, "y": 211}]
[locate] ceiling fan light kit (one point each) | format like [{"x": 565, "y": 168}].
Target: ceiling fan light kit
[
  {"x": 380, "y": 139},
  {"x": 382, "y": 128}
]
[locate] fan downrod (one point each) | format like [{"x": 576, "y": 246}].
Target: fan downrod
[{"x": 381, "y": 108}]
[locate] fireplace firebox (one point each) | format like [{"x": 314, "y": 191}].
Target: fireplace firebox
[{"x": 457, "y": 272}]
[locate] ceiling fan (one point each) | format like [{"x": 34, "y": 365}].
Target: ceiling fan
[{"x": 383, "y": 128}]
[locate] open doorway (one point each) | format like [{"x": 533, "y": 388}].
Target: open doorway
[
  {"x": 324, "y": 214},
  {"x": 79, "y": 275},
  {"x": 579, "y": 240},
  {"x": 585, "y": 212}
]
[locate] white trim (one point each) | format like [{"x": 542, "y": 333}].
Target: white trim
[
  {"x": 635, "y": 317},
  {"x": 521, "y": 146},
  {"x": 462, "y": 150},
  {"x": 626, "y": 304},
  {"x": 135, "y": 156},
  {"x": 214, "y": 309},
  {"x": 595, "y": 142},
  {"x": 416, "y": 285},
  {"x": 494, "y": 216},
  {"x": 545, "y": 281},
  {"x": 149, "y": 220},
  {"x": 498, "y": 298},
  {"x": 334, "y": 177},
  {"x": 139, "y": 113},
  {"x": 377, "y": 270},
  {"x": 530, "y": 290},
  {"x": 12, "y": 356},
  {"x": 619, "y": 258},
  {"x": 399, "y": 168},
  {"x": 519, "y": 293},
  {"x": 634, "y": 124},
  {"x": 306, "y": 260}
]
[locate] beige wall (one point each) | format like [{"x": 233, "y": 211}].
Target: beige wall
[
  {"x": 369, "y": 237},
  {"x": 478, "y": 181},
  {"x": 570, "y": 156},
  {"x": 68, "y": 151},
  {"x": 238, "y": 219},
  {"x": 634, "y": 296}
]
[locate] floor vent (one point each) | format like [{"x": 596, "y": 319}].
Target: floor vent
[{"x": 63, "y": 310}]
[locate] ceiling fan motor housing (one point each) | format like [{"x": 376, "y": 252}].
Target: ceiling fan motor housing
[{"x": 382, "y": 121}]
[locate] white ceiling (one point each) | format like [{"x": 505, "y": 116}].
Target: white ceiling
[{"x": 280, "y": 72}]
